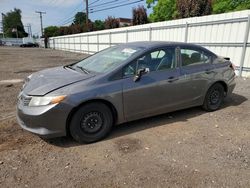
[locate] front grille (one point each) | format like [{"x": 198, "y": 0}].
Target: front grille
[{"x": 24, "y": 99}]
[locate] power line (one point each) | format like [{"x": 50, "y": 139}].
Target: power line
[
  {"x": 114, "y": 3},
  {"x": 115, "y": 6},
  {"x": 52, "y": 2},
  {"x": 108, "y": 2},
  {"x": 94, "y": 2},
  {"x": 70, "y": 14},
  {"x": 69, "y": 21},
  {"x": 65, "y": 21}
]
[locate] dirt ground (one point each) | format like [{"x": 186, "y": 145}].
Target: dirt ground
[{"x": 188, "y": 148}]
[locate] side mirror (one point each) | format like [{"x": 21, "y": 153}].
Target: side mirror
[{"x": 139, "y": 74}]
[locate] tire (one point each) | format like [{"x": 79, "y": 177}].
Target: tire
[
  {"x": 214, "y": 97},
  {"x": 91, "y": 122}
]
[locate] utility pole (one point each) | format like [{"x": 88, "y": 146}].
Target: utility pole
[
  {"x": 87, "y": 14},
  {"x": 2, "y": 24},
  {"x": 41, "y": 19},
  {"x": 1, "y": 27},
  {"x": 29, "y": 30}
]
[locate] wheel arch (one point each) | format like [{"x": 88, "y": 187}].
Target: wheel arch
[
  {"x": 106, "y": 102},
  {"x": 223, "y": 83},
  {"x": 214, "y": 107}
]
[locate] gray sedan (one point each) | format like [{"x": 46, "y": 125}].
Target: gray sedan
[{"x": 121, "y": 84}]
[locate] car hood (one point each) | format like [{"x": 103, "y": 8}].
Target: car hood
[{"x": 52, "y": 79}]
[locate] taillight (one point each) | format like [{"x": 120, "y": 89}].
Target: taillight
[{"x": 232, "y": 66}]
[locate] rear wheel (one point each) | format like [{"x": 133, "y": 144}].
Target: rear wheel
[
  {"x": 91, "y": 122},
  {"x": 214, "y": 97}
]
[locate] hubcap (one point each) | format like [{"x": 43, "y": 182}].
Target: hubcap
[
  {"x": 214, "y": 97},
  {"x": 91, "y": 122}
]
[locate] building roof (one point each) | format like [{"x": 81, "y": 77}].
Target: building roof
[{"x": 127, "y": 20}]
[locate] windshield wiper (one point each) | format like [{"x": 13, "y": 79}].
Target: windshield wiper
[
  {"x": 69, "y": 66},
  {"x": 83, "y": 69}
]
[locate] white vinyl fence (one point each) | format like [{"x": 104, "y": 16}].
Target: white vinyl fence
[
  {"x": 224, "y": 34},
  {"x": 11, "y": 41}
]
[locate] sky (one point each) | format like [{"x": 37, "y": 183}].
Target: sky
[{"x": 59, "y": 12}]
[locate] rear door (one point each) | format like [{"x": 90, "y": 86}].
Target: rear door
[{"x": 196, "y": 71}]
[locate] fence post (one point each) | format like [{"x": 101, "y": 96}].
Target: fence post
[
  {"x": 150, "y": 33},
  {"x": 97, "y": 42},
  {"x": 74, "y": 43},
  {"x": 126, "y": 36},
  {"x": 80, "y": 41},
  {"x": 109, "y": 38},
  {"x": 88, "y": 43},
  {"x": 64, "y": 44},
  {"x": 54, "y": 45},
  {"x": 244, "y": 47},
  {"x": 186, "y": 33}
]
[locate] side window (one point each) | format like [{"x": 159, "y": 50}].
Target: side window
[
  {"x": 158, "y": 54},
  {"x": 155, "y": 61},
  {"x": 193, "y": 57}
]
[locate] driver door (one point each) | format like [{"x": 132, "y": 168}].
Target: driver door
[{"x": 157, "y": 91}]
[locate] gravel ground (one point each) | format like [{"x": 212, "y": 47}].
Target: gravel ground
[{"x": 188, "y": 148}]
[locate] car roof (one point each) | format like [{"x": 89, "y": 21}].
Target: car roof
[
  {"x": 154, "y": 44},
  {"x": 151, "y": 43}
]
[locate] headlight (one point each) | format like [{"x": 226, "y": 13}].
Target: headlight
[{"x": 42, "y": 101}]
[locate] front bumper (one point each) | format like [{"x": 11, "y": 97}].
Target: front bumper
[{"x": 46, "y": 121}]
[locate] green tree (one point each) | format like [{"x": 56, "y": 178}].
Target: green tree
[
  {"x": 162, "y": 10},
  {"x": 222, "y": 6},
  {"x": 80, "y": 18},
  {"x": 98, "y": 25},
  {"x": 139, "y": 15},
  {"x": 13, "y": 26},
  {"x": 51, "y": 31},
  {"x": 191, "y": 8},
  {"x": 80, "y": 23}
]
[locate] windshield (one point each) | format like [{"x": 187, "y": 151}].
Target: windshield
[{"x": 107, "y": 60}]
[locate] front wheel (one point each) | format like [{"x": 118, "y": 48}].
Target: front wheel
[
  {"x": 91, "y": 122},
  {"x": 214, "y": 97}
]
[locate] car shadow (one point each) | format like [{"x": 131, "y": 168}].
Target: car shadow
[{"x": 147, "y": 123}]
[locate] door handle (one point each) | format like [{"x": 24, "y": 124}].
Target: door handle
[{"x": 172, "y": 79}]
